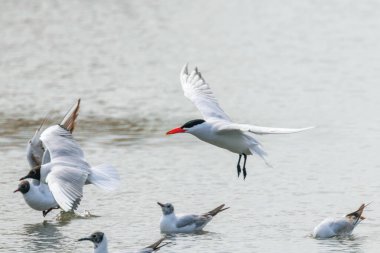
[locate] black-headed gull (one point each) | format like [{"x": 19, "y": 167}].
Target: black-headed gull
[
  {"x": 100, "y": 242},
  {"x": 185, "y": 223},
  {"x": 216, "y": 127},
  {"x": 67, "y": 171},
  {"x": 344, "y": 226}
]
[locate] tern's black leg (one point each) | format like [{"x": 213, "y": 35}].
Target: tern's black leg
[
  {"x": 244, "y": 170},
  {"x": 238, "y": 166}
]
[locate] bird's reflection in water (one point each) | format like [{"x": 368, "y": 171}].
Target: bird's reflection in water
[
  {"x": 43, "y": 236},
  {"x": 351, "y": 243}
]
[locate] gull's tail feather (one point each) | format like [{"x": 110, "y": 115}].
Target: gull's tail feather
[
  {"x": 68, "y": 121},
  {"x": 217, "y": 210},
  {"x": 105, "y": 177}
]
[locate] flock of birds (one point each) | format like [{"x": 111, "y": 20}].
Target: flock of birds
[{"x": 59, "y": 169}]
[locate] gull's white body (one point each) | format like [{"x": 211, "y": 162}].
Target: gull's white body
[
  {"x": 39, "y": 196},
  {"x": 218, "y": 129},
  {"x": 334, "y": 227},
  {"x": 171, "y": 223}
]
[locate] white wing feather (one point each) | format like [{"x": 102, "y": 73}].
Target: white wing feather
[
  {"x": 259, "y": 129},
  {"x": 68, "y": 171},
  {"x": 66, "y": 184},
  {"x": 62, "y": 146},
  {"x": 198, "y": 91}
]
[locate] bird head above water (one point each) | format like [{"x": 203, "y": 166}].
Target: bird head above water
[
  {"x": 33, "y": 173},
  {"x": 23, "y": 187},
  {"x": 189, "y": 127},
  {"x": 98, "y": 239},
  {"x": 166, "y": 208}
]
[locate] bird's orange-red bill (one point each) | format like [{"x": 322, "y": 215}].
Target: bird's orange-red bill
[{"x": 176, "y": 131}]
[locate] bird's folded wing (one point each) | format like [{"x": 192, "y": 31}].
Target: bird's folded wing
[
  {"x": 341, "y": 226},
  {"x": 61, "y": 145},
  {"x": 198, "y": 91},
  {"x": 187, "y": 220},
  {"x": 66, "y": 184},
  {"x": 259, "y": 129}
]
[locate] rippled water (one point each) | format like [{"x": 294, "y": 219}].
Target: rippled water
[{"x": 274, "y": 63}]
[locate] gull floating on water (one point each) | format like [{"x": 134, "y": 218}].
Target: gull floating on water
[
  {"x": 100, "y": 242},
  {"x": 67, "y": 171},
  {"x": 188, "y": 223},
  {"x": 216, "y": 127},
  {"x": 344, "y": 226}
]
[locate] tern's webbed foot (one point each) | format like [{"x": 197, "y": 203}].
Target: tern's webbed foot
[
  {"x": 238, "y": 170},
  {"x": 244, "y": 173}
]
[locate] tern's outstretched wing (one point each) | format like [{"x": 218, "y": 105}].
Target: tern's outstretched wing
[
  {"x": 259, "y": 130},
  {"x": 198, "y": 91},
  {"x": 66, "y": 184}
]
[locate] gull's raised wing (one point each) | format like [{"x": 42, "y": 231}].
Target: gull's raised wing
[
  {"x": 66, "y": 184},
  {"x": 259, "y": 129},
  {"x": 198, "y": 91},
  {"x": 61, "y": 145}
]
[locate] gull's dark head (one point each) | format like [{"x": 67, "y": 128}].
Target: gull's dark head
[
  {"x": 166, "y": 208},
  {"x": 97, "y": 238},
  {"x": 187, "y": 127},
  {"x": 23, "y": 187},
  {"x": 33, "y": 173}
]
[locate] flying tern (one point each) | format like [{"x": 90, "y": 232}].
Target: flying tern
[
  {"x": 216, "y": 127},
  {"x": 339, "y": 227},
  {"x": 187, "y": 223},
  {"x": 100, "y": 242}
]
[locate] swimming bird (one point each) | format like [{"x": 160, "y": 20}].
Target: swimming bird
[
  {"x": 67, "y": 170},
  {"x": 339, "y": 227},
  {"x": 188, "y": 223},
  {"x": 37, "y": 195},
  {"x": 216, "y": 127},
  {"x": 100, "y": 242}
]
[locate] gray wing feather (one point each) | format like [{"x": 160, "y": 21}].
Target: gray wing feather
[{"x": 186, "y": 220}]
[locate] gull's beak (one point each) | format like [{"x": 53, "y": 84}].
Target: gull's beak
[
  {"x": 22, "y": 178},
  {"x": 160, "y": 204},
  {"x": 176, "y": 131},
  {"x": 85, "y": 239},
  {"x": 17, "y": 190}
]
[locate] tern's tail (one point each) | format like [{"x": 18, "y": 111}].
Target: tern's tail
[
  {"x": 256, "y": 149},
  {"x": 105, "y": 177}
]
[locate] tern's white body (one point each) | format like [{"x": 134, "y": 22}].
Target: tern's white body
[
  {"x": 39, "y": 196},
  {"x": 234, "y": 141}
]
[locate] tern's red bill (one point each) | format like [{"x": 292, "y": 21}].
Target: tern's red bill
[{"x": 176, "y": 131}]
